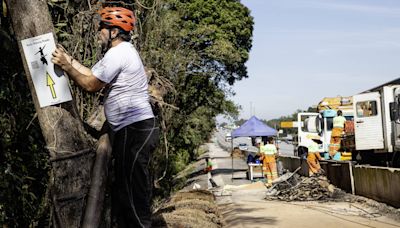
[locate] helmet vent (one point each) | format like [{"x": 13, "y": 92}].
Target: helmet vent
[{"x": 118, "y": 17}]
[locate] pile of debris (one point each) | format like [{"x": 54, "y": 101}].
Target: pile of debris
[{"x": 293, "y": 187}]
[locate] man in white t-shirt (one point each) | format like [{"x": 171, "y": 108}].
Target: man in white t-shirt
[{"x": 134, "y": 129}]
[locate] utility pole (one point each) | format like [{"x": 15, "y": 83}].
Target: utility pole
[{"x": 251, "y": 109}]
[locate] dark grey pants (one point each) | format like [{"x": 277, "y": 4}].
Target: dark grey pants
[{"x": 133, "y": 146}]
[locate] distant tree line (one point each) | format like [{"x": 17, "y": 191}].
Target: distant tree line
[{"x": 275, "y": 123}]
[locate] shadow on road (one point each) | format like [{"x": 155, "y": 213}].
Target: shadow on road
[
  {"x": 236, "y": 216},
  {"x": 250, "y": 220},
  {"x": 195, "y": 174},
  {"x": 226, "y": 171}
]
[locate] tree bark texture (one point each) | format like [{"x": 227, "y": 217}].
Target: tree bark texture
[
  {"x": 95, "y": 202},
  {"x": 70, "y": 147}
]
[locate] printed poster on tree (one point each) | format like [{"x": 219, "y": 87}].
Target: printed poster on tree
[{"x": 49, "y": 80}]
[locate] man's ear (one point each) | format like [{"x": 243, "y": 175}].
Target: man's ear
[{"x": 114, "y": 33}]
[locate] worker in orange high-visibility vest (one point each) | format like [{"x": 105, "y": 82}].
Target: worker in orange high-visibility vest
[
  {"x": 337, "y": 132},
  {"x": 268, "y": 155},
  {"x": 313, "y": 157}
]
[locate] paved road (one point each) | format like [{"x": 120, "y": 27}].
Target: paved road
[
  {"x": 284, "y": 148},
  {"x": 242, "y": 203}
]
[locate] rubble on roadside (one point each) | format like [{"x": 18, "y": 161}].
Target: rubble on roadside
[
  {"x": 293, "y": 187},
  {"x": 381, "y": 208}
]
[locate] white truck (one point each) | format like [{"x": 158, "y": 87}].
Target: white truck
[
  {"x": 376, "y": 138},
  {"x": 377, "y": 125},
  {"x": 320, "y": 124},
  {"x": 228, "y": 137}
]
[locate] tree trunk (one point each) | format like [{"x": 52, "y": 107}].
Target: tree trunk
[{"x": 70, "y": 147}]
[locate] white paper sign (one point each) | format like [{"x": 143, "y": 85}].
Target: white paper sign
[{"x": 50, "y": 83}]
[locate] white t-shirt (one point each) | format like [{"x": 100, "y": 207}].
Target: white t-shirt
[{"x": 127, "y": 98}]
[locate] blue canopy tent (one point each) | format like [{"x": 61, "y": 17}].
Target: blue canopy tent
[{"x": 252, "y": 128}]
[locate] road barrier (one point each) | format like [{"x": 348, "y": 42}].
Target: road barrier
[
  {"x": 378, "y": 183},
  {"x": 339, "y": 174},
  {"x": 291, "y": 163}
]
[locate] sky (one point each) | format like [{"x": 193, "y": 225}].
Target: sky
[{"x": 305, "y": 50}]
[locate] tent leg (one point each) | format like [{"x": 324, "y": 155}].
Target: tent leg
[{"x": 232, "y": 158}]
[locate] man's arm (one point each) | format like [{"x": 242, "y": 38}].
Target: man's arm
[{"x": 82, "y": 75}]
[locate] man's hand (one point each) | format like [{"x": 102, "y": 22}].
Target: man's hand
[{"x": 61, "y": 58}]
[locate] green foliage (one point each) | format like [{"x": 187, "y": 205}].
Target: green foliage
[
  {"x": 76, "y": 30},
  {"x": 240, "y": 122},
  {"x": 220, "y": 32},
  {"x": 201, "y": 47},
  {"x": 180, "y": 160},
  {"x": 24, "y": 167},
  {"x": 24, "y": 160}
]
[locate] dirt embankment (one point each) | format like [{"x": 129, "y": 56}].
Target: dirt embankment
[
  {"x": 195, "y": 208},
  {"x": 188, "y": 207}
]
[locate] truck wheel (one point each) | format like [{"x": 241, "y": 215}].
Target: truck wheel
[
  {"x": 354, "y": 156},
  {"x": 302, "y": 152},
  {"x": 396, "y": 160}
]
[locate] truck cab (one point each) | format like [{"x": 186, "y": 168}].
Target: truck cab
[
  {"x": 320, "y": 124},
  {"x": 377, "y": 124},
  {"x": 228, "y": 137},
  {"x": 308, "y": 127}
]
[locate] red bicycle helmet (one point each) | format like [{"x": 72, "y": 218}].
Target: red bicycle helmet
[{"x": 118, "y": 17}]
